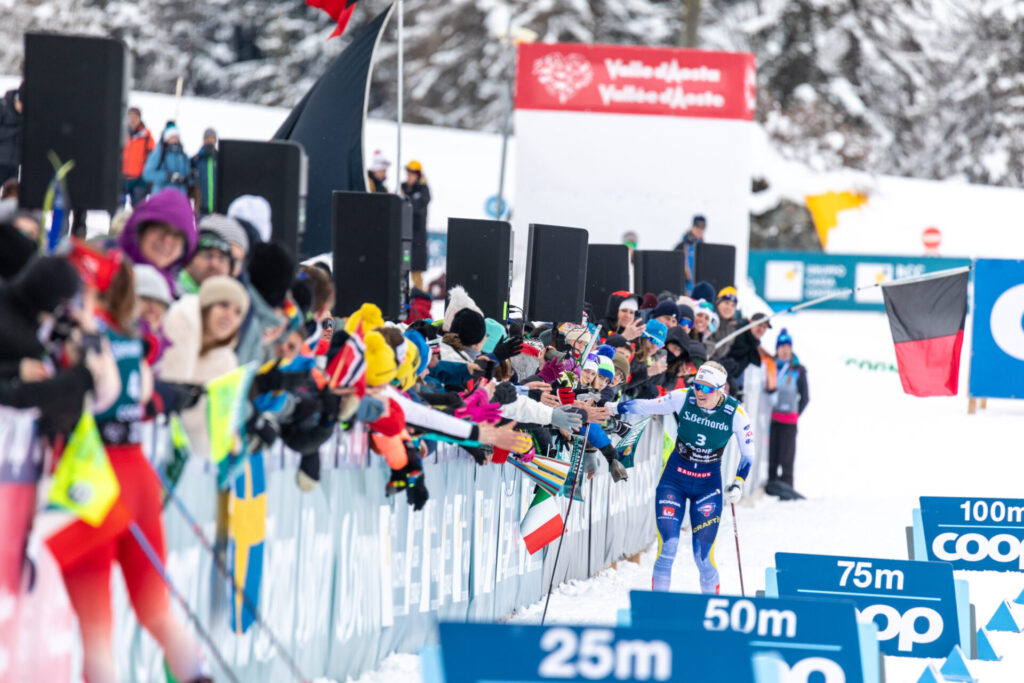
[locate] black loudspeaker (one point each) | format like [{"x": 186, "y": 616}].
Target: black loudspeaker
[
  {"x": 607, "y": 272},
  {"x": 715, "y": 263},
  {"x": 73, "y": 101},
  {"x": 273, "y": 170},
  {"x": 657, "y": 271},
  {"x": 480, "y": 259},
  {"x": 372, "y": 242},
  {"x": 556, "y": 272}
]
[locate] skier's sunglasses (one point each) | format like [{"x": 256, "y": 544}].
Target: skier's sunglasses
[{"x": 704, "y": 388}]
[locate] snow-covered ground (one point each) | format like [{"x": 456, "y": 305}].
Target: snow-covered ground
[{"x": 865, "y": 453}]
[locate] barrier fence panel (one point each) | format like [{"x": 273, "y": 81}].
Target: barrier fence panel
[{"x": 349, "y": 576}]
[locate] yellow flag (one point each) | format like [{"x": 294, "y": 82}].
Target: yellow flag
[
  {"x": 225, "y": 396},
  {"x": 825, "y": 208},
  {"x": 85, "y": 483}
]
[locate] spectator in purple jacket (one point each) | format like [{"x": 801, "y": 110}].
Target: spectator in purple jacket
[{"x": 162, "y": 233}]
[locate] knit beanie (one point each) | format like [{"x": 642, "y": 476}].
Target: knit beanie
[
  {"x": 222, "y": 288},
  {"x": 151, "y": 284},
  {"x": 649, "y": 301},
  {"x": 606, "y": 368},
  {"x": 703, "y": 290},
  {"x": 17, "y": 252},
  {"x": 366, "y": 319},
  {"x": 459, "y": 299},
  {"x": 256, "y": 211},
  {"x": 665, "y": 308},
  {"x": 417, "y": 340},
  {"x": 656, "y": 331},
  {"x": 606, "y": 351},
  {"x": 621, "y": 365},
  {"x": 271, "y": 271},
  {"x": 685, "y": 313},
  {"x": 470, "y": 326},
  {"x": 230, "y": 230},
  {"x": 495, "y": 332},
  {"x": 381, "y": 367},
  {"x": 44, "y": 283},
  {"x": 616, "y": 341}
]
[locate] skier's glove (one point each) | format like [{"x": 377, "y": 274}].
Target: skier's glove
[
  {"x": 734, "y": 492},
  {"x": 565, "y": 418}
]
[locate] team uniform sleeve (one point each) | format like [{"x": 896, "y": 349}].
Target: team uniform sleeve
[
  {"x": 668, "y": 404},
  {"x": 743, "y": 430},
  {"x": 432, "y": 420}
]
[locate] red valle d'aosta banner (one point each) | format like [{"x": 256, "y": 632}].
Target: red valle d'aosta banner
[{"x": 636, "y": 80}]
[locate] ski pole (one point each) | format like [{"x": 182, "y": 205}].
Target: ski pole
[
  {"x": 150, "y": 553},
  {"x": 225, "y": 573},
  {"x": 736, "y": 535},
  {"x": 568, "y": 510}
]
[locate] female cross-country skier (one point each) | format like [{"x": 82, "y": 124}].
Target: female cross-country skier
[{"x": 693, "y": 471}]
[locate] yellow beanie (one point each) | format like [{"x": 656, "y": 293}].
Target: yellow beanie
[
  {"x": 380, "y": 359},
  {"x": 367, "y": 318},
  {"x": 407, "y": 370}
]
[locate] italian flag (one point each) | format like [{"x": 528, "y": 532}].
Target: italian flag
[{"x": 542, "y": 523}]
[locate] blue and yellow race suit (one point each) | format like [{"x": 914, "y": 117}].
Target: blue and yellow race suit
[{"x": 692, "y": 474}]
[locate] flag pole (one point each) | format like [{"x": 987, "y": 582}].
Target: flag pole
[
  {"x": 842, "y": 292},
  {"x": 401, "y": 81}
]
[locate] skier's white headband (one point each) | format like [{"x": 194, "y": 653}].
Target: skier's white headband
[{"x": 711, "y": 376}]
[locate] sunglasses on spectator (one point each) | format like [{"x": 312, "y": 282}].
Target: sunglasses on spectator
[
  {"x": 730, "y": 297},
  {"x": 705, "y": 389},
  {"x": 687, "y": 323}
]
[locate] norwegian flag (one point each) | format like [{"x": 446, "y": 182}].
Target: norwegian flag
[{"x": 339, "y": 10}]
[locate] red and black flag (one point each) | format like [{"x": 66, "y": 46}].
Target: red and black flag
[
  {"x": 339, "y": 10},
  {"x": 927, "y": 322}
]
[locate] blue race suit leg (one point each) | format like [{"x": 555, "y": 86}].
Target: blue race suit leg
[{"x": 683, "y": 482}]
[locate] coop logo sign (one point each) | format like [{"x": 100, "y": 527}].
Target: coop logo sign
[
  {"x": 914, "y": 605},
  {"x": 997, "y": 345},
  {"x": 634, "y": 80},
  {"x": 973, "y": 533}
]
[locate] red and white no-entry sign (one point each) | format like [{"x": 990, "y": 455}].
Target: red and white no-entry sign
[{"x": 931, "y": 238}]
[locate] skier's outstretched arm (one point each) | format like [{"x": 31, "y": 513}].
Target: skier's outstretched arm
[{"x": 668, "y": 404}]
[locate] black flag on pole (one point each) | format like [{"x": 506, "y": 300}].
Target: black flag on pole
[
  {"x": 927, "y": 322},
  {"x": 328, "y": 122}
]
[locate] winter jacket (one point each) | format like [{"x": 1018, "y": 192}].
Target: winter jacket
[
  {"x": 374, "y": 185},
  {"x": 10, "y": 132},
  {"x": 718, "y": 351},
  {"x": 743, "y": 352},
  {"x": 418, "y": 195},
  {"x": 204, "y": 166},
  {"x": 183, "y": 362},
  {"x": 163, "y": 207},
  {"x": 527, "y": 411},
  {"x": 250, "y": 335},
  {"x": 168, "y": 167},
  {"x": 791, "y": 395},
  {"x": 136, "y": 150}
]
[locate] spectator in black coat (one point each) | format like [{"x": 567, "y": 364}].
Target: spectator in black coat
[
  {"x": 10, "y": 134},
  {"x": 745, "y": 351},
  {"x": 415, "y": 189}
]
